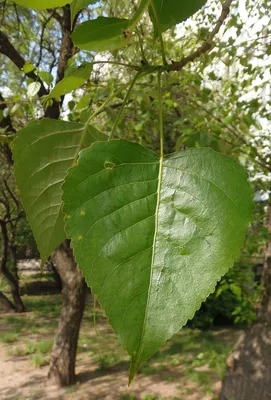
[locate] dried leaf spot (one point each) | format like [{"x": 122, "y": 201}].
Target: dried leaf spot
[{"x": 109, "y": 165}]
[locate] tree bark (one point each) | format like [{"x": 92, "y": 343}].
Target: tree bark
[
  {"x": 63, "y": 356},
  {"x": 13, "y": 282},
  {"x": 249, "y": 367},
  {"x": 6, "y": 303}
]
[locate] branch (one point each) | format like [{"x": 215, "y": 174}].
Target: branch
[
  {"x": 47, "y": 20},
  {"x": 208, "y": 44},
  {"x": 7, "y": 48},
  {"x": 6, "y": 123},
  {"x": 17, "y": 204}
]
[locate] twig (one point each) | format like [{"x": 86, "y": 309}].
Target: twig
[{"x": 208, "y": 44}]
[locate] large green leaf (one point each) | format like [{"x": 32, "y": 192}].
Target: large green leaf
[
  {"x": 101, "y": 34},
  {"x": 153, "y": 236},
  {"x": 78, "y": 5},
  {"x": 42, "y": 153},
  {"x": 42, "y": 5},
  {"x": 72, "y": 81},
  {"x": 171, "y": 12}
]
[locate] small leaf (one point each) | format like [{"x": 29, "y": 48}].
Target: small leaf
[
  {"x": 235, "y": 289},
  {"x": 33, "y": 89},
  {"x": 101, "y": 34},
  {"x": 78, "y": 5},
  {"x": 72, "y": 81},
  {"x": 42, "y": 5},
  {"x": 28, "y": 68},
  {"x": 42, "y": 153},
  {"x": 171, "y": 12},
  {"x": 46, "y": 77},
  {"x": 154, "y": 235}
]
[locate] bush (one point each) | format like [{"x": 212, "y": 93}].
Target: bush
[{"x": 233, "y": 302}]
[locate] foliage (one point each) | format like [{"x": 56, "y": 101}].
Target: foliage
[
  {"x": 138, "y": 111},
  {"x": 41, "y": 182},
  {"x": 143, "y": 207},
  {"x": 233, "y": 302}
]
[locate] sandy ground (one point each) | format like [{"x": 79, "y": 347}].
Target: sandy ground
[{"x": 19, "y": 380}]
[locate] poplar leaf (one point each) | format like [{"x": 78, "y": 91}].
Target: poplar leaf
[
  {"x": 153, "y": 235},
  {"x": 42, "y": 153},
  {"x": 101, "y": 34}
]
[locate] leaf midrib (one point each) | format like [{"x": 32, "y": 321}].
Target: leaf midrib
[{"x": 140, "y": 348}]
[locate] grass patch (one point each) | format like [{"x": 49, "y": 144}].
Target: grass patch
[
  {"x": 42, "y": 347},
  {"x": 40, "y": 360},
  {"x": 9, "y": 338}
]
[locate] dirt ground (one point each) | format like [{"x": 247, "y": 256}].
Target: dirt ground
[
  {"x": 189, "y": 367},
  {"x": 20, "y": 380}
]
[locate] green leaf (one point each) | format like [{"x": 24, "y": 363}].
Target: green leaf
[
  {"x": 42, "y": 153},
  {"x": 101, "y": 34},
  {"x": 46, "y": 77},
  {"x": 33, "y": 89},
  {"x": 153, "y": 236},
  {"x": 236, "y": 289},
  {"x": 28, "y": 68},
  {"x": 171, "y": 12},
  {"x": 72, "y": 81},
  {"x": 78, "y": 5},
  {"x": 42, "y": 5}
]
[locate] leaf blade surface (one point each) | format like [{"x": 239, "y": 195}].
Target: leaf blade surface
[
  {"x": 153, "y": 236},
  {"x": 42, "y": 153},
  {"x": 101, "y": 34}
]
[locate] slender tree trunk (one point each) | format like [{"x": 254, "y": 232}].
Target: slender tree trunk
[
  {"x": 6, "y": 303},
  {"x": 249, "y": 367},
  {"x": 63, "y": 356},
  {"x": 13, "y": 282}
]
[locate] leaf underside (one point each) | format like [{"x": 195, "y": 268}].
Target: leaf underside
[
  {"x": 42, "y": 153},
  {"x": 42, "y": 5},
  {"x": 171, "y": 12},
  {"x": 71, "y": 82},
  {"x": 153, "y": 236},
  {"x": 101, "y": 34}
]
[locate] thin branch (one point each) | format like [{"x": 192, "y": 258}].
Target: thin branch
[
  {"x": 7, "y": 48},
  {"x": 260, "y": 162},
  {"x": 47, "y": 20},
  {"x": 208, "y": 44},
  {"x": 11, "y": 194}
]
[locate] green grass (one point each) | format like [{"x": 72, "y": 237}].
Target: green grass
[
  {"x": 42, "y": 347},
  {"x": 8, "y": 338},
  {"x": 40, "y": 360}
]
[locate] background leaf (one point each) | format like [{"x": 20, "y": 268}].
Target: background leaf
[
  {"x": 42, "y": 153},
  {"x": 154, "y": 236},
  {"x": 33, "y": 89},
  {"x": 101, "y": 34},
  {"x": 46, "y": 77},
  {"x": 72, "y": 81},
  {"x": 42, "y": 5},
  {"x": 172, "y": 12}
]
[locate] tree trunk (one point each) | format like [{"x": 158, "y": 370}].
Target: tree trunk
[
  {"x": 63, "y": 356},
  {"x": 13, "y": 282},
  {"x": 249, "y": 367},
  {"x": 6, "y": 303}
]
